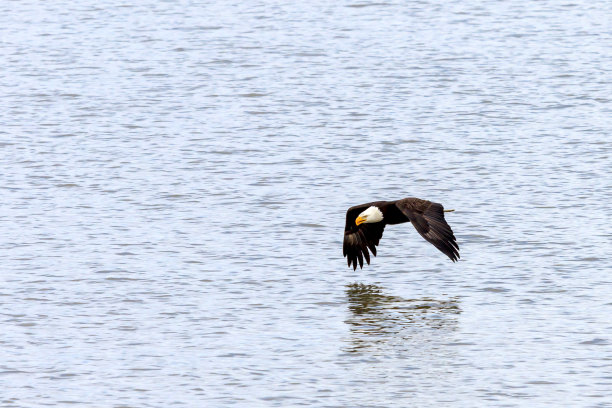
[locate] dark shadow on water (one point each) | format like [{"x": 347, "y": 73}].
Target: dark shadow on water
[{"x": 380, "y": 321}]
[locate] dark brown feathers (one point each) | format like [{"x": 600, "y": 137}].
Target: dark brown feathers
[
  {"x": 427, "y": 218},
  {"x": 358, "y": 241}
]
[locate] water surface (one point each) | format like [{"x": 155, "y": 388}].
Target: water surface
[{"x": 175, "y": 177}]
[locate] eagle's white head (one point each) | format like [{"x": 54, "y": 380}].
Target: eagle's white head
[{"x": 372, "y": 214}]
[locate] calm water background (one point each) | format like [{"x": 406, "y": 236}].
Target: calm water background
[{"x": 175, "y": 177}]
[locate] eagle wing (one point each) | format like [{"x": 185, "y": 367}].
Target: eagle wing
[
  {"x": 428, "y": 219},
  {"x": 359, "y": 238}
]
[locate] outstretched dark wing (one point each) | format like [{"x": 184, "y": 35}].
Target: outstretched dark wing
[
  {"x": 428, "y": 219},
  {"x": 359, "y": 238}
]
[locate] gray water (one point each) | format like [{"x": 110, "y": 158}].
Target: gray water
[{"x": 175, "y": 177}]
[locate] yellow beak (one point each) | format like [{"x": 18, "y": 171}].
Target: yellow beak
[{"x": 359, "y": 220}]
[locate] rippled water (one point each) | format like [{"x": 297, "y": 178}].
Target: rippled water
[{"x": 175, "y": 177}]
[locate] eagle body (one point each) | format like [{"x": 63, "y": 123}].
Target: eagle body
[{"x": 365, "y": 224}]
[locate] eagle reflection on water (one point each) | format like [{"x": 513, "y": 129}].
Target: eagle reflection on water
[{"x": 378, "y": 320}]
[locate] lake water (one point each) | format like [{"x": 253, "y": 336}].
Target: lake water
[{"x": 175, "y": 177}]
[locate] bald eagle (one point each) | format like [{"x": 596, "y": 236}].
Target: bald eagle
[{"x": 365, "y": 224}]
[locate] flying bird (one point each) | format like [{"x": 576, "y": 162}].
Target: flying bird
[{"x": 365, "y": 224}]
